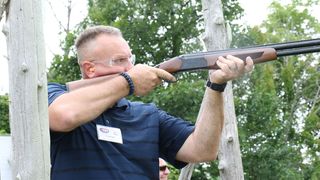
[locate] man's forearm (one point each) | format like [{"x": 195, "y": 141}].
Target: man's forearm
[
  {"x": 209, "y": 124},
  {"x": 203, "y": 143},
  {"x": 84, "y": 104}
]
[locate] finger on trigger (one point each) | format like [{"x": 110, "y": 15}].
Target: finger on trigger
[{"x": 164, "y": 75}]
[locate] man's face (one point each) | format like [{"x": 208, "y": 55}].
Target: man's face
[
  {"x": 107, "y": 55},
  {"x": 163, "y": 170}
]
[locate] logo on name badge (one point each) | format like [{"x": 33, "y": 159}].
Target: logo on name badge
[{"x": 103, "y": 129}]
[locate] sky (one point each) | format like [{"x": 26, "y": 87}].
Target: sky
[{"x": 56, "y": 10}]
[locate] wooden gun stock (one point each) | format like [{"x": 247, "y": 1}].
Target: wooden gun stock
[{"x": 207, "y": 60}]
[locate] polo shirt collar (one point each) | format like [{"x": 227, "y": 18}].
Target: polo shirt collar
[{"x": 122, "y": 103}]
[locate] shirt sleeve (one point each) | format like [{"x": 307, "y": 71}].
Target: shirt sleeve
[
  {"x": 173, "y": 133},
  {"x": 55, "y": 90}
]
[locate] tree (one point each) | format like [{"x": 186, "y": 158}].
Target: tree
[
  {"x": 64, "y": 67},
  {"x": 4, "y": 106},
  {"x": 278, "y": 104},
  {"x": 216, "y": 38},
  {"x": 4, "y": 114}
]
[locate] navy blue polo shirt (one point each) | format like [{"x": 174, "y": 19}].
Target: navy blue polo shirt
[{"x": 147, "y": 132}]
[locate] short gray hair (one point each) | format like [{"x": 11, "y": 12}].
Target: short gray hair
[{"x": 91, "y": 33}]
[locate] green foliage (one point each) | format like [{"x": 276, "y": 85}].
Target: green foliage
[
  {"x": 232, "y": 10},
  {"x": 156, "y": 30},
  {"x": 64, "y": 69},
  {"x": 4, "y": 114},
  {"x": 278, "y": 104},
  {"x": 174, "y": 173},
  {"x": 206, "y": 171}
]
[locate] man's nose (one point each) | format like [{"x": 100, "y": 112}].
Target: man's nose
[{"x": 128, "y": 66}]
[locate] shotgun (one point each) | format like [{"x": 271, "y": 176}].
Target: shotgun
[
  {"x": 259, "y": 54},
  {"x": 207, "y": 60}
]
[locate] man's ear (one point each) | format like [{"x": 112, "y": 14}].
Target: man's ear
[{"x": 89, "y": 69}]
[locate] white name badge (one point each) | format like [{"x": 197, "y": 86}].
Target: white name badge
[{"x": 110, "y": 134}]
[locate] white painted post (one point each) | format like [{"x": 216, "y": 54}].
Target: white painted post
[
  {"x": 28, "y": 104},
  {"x": 216, "y": 37}
]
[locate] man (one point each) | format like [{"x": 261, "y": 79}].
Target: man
[
  {"x": 163, "y": 169},
  {"x": 97, "y": 134}
]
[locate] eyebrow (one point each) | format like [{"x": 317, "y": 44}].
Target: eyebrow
[{"x": 121, "y": 56}]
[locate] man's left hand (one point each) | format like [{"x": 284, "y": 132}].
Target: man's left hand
[{"x": 231, "y": 68}]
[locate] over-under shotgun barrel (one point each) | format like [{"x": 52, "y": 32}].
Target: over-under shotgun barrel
[{"x": 259, "y": 54}]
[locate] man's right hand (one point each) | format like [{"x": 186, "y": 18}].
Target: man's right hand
[{"x": 145, "y": 78}]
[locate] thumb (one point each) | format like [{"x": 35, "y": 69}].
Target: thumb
[{"x": 249, "y": 65}]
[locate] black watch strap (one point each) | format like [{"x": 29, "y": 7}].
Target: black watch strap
[{"x": 216, "y": 87}]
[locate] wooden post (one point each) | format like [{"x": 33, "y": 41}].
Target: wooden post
[
  {"x": 216, "y": 37},
  {"x": 28, "y": 105}
]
